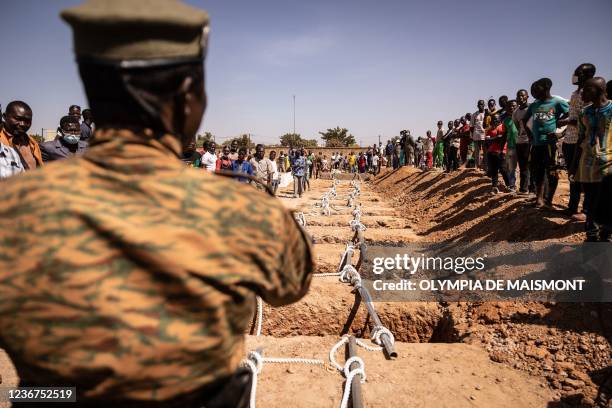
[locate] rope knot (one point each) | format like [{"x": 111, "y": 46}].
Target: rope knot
[
  {"x": 357, "y": 370},
  {"x": 378, "y": 331},
  {"x": 256, "y": 359},
  {"x": 350, "y": 275}
]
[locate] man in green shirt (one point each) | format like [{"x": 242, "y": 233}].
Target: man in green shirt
[
  {"x": 546, "y": 111},
  {"x": 511, "y": 140}
]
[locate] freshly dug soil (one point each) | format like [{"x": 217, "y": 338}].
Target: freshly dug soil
[
  {"x": 325, "y": 310},
  {"x": 424, "y": 375}
]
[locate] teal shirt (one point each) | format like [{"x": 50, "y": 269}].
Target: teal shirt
[
  {"x": 545, "y": 115},
  {"x": 511, "y": 132}
]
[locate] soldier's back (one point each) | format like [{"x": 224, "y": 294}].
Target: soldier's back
[{"x": 128, "y": 274}]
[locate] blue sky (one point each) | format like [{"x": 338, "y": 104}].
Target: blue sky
[{"x": 372, "y": 67}]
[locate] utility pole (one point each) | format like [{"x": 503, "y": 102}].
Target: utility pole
[{"x": 294, "y": 114}]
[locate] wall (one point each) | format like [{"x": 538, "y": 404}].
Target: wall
[{"x": 327, "y": 151}]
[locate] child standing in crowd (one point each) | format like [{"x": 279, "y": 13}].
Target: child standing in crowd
[
  {"x": 477, "y": 129},
  {"x": 522, "y": 143},
  {"x": 224, "y": 162},
  {"x": 428, "y": 147},
  {"x": 465, "y": 137},
  {"x": 439, "y": 146},
  {"x": 361, "y": 162},
  {"x": 242, "y": 166},
  {"x": 453, "y": 137},
  {"x": 545, "y": 112},
  {"x": 352, "y": 161},
  {"x": 495, "y": 138},
  {"x": 594, "y": 167},
  {"x": 511, "y": 133}
]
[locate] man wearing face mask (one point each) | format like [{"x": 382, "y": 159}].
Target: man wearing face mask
[
  {"x": 17, "y": 122},
  {"x": 123, "y": 272},
  {"x": 67, "y": 143},
  {"x": 583, "y": 73}
]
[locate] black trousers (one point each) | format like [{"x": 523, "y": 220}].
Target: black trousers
[
  {"x": 597, "y": 205},
  {"x": 495, "y": 167},
  {"x": 452, "y": 158},
  {"x": 526, "y": 182},
  {"x": 544, "y": 165},
  {"x": 569, "y": 151}
]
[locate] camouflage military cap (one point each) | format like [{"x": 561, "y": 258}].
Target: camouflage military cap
[{"x": 145, "y": 32}]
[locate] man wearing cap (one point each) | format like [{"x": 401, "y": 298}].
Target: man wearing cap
[{"x": 125, "y": 273}]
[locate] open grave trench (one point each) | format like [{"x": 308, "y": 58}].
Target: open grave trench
[
  {"x": 327, "y": 307},
  {"x": 433, "y": 368}
]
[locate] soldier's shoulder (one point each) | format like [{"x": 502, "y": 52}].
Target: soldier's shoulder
[
  {"x": 42, "y": 178},
  {"x": 226, "y": 189}
]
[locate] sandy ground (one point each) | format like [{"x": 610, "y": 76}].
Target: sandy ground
[{"x": 424, "y": 375}]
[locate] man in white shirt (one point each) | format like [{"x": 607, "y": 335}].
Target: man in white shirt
[
  {"x": 478, "y": 132},
  {"x": 10, "y": 162},
  {"x": 275, "y": 174},
  {"x": 209, "y": 159},
  {"x": 375, "y": 164}
]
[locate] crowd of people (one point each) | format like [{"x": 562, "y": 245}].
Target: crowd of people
[
  {"x": 538, "y": 140},
  {"x": 20, "y": 152},
  {"x": 255, "y": 167},
  {"x": 502, "y": 138}
]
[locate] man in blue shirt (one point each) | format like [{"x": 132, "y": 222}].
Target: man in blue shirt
[
  {"x": 242, "y": 166},
  {"x": 545, "y": 112},
  {"x": 389, "y": 152},
  {"x": 298, "y": 168}
]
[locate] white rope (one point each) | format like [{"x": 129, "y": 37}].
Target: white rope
[
  {"x": 259, "y": 316},
  {"x": 334, "y": 349},
  {"x": 254, "y": 362},
  {"x": 294, "y": 360},
  {"x": 367, "y": 347},
  {"x": 357, "y": 212},
  {"x": 324, "y": 275},
  {"x": 350, "y": 275},
  {"x": 350, "y": 374},
  {"x": 378, "y": 331},
  {"x": 357, "y": 226},
  {"x": 350, "y": 249},
  {"x": 300, "y": 218}
]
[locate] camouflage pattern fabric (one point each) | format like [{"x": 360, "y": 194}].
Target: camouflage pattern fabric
[{"x": 131, "y": 276}]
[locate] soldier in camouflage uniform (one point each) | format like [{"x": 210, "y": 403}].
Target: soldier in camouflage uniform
[{"x": 123, "y": 272}]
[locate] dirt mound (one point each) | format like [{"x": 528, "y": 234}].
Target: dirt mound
[
  {"x": 568, "y": 344},
  {"x": 460, "y": 207}
]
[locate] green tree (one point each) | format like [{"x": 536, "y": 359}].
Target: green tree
[
  {"x": 205, "y": 138},
  {"x": 243, "y": 140},
  {"x": 310, "y": 143},
  {"x": 295, "y": 140},
  {"x": 291, "y": 140},
  {"x": 337, "y": 137}
]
